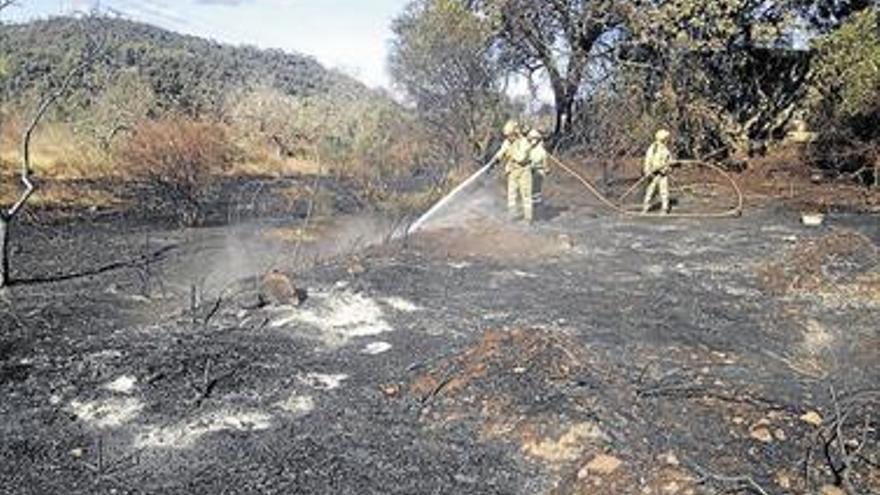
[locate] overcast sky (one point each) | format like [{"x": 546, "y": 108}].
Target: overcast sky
[{"x": 351, "y": 35}]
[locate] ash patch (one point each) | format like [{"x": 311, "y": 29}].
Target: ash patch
[
  {"x": 185, "y": 435},
  {"x": 107, "y": 413},
  {"x": 337, "y": 317}
]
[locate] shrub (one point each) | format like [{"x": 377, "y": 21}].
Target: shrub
[
  {"x": 177, "y": 162},
  {"x": 846, "y": 99}
]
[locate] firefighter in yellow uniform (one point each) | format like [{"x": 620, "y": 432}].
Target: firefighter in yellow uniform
[
  {"x": 514, "y": 154},
  {"x": 511, "y": 133},
  {"x": 656, "y": 167},
  {"x": 538, "y": 163}
]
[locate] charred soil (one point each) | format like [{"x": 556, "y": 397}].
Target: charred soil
[{"x": 585, "y": 354}]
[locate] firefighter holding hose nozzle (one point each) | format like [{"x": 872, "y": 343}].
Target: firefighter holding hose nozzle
[
  {"x": 658, "y": 160},
  {"x": 515, "y": 155}
]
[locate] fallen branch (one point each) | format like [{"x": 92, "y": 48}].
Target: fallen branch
[{"x": 746, "y": 482}]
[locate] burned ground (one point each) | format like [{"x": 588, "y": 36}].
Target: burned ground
[{"x": 587, "y": 354}]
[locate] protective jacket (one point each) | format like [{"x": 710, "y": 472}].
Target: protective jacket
[
  {"x": 514, "y": 153},
  {"x": 657, "y": 159}
]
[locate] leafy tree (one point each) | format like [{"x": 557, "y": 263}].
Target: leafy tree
[
  {"x": 846, "y": 95},
  {"x": 442, "y": 59},
  {"x": 847, "y": 69}
]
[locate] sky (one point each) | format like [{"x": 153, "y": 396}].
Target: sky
[{"x": 349, "y": 35}]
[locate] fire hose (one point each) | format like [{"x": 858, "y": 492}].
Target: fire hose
[{"x": 732, "y": 212}]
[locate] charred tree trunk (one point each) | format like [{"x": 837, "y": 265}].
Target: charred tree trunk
[
  {"x": 877, "y": 171},
  {"x": 4, "y": 250},
  {"x": 7, "y": 216}
]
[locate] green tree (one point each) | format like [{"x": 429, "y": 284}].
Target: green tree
[
  {"x": 441, "y": 57},
  {"x": 847, "y": 69},
  {"x": 846, "y": 94}
]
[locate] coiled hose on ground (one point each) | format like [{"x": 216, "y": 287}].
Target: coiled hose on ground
[{"x": 730, "y": 213}]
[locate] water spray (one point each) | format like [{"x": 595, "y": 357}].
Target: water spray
[
  {"x": 735, "y": 211},
  {"x": 448, "y": 198}
]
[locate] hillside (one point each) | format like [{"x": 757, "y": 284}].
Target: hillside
[
  {"x": 154, "y": 99},
  {"x": 186, "y": 73}
]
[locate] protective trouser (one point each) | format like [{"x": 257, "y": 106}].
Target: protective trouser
[
  {"x": 519, "y": 189},
  {"x": 658, "y": 181},
  {"x": 537, "y": 187}
]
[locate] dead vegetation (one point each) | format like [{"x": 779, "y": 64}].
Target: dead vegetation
[
  {"x": 842, "y": 268},
  {"x": 177, "y": 161}
]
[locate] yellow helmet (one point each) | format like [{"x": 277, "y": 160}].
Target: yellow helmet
[
  {"x": 510, "y": 128},
  {"x": 662, "y": 135}
]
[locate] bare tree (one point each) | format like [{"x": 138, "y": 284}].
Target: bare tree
[
  {"x": 70, "y": 78},
  {"x": 560, "y": 37}
]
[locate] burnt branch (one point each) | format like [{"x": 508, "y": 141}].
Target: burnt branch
[{"x": 745, "y": 482}]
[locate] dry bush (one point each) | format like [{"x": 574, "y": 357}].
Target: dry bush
[{"x": 177, "y": 163}]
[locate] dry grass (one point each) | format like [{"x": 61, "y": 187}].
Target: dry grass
[
  {"x": 56, "y": 153},
  {"x": 785, "y": 174},
  {"x": 59, "y": 194},
  {"x": 262, "y": 165}
]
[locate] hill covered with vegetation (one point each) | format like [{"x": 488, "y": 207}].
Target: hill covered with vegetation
[
  {"x": 175, "y": 112},
  {"x": 185, "y": 74}
]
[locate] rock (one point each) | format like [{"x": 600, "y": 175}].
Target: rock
[
  {"x": 813, "y": 418},
  {"x": 566, "y": 241},
  {"x": 783, "y": 480},
  {"x": 761, "y": 433},
  {"x": 602, "y": 465},
  {"x": 76, "y": 453},
  {"x": 355, "y": 267},
  {"x": 831, "y": 490},
  {"x": 277, "y": 288},
  {"x": 670, "y": 459},
  {"x": 390, "y": 390},
  {"x": 780, "y": 434}
]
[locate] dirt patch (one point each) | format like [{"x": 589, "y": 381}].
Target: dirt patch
[
  {"x": 783, "y": 175},
  {"x": 511, "y": 381},
  {"x": 492, "y": 240}
]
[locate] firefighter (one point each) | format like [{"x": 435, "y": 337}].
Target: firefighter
[
  {"x": 511, "y": 132},
  {"x": 656, "y": 168},
  {"x": 538, "y": 164},
  {"x": 514, "y": 154}
]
